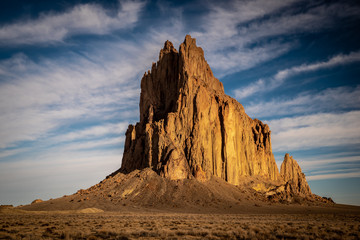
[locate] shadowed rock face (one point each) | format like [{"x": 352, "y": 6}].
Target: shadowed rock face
[
  {"x": 294, "y": 177},
  {"x": 190, "y": 127}
]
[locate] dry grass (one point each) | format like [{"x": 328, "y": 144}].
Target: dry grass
[{"x": 178, "y": 226}]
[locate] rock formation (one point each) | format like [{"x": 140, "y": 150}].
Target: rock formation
[
  {"x": 190, "y": 130},
  {"x": 36, "y": 201},
  {"x": 293, "y": 176},
  {"x": 190, "y": 127}
]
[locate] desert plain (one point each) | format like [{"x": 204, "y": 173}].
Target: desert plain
[
  {"x": 143, "y": 205},
  {"x": 257, "y": 221}
]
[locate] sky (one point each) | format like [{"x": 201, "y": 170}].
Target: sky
[{"x": 70, "y": 75}]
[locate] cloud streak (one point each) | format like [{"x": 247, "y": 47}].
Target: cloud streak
[
  {"x": 320, "y": 162},
  {"x": 37, "y": 98},
  {"x": 90, "y": 145},
  {"x": 239, "y": 32},
  {"x": 279, "y": 78},
  {"x": 94, "y": 131},
  {"x": 221, "y": 36},
  {"x": 335, "y": 61},
  {"x": 355, "y": 174},
  {"x": 314, "y": 131},
  {"x": 81, "y": 19},
  {"x": 331, "y": 99}
]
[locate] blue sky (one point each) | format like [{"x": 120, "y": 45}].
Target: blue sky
[{"x": 70, "y": 76}]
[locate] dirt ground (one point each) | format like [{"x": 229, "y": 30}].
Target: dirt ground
[{"x": 96, "y": 224}]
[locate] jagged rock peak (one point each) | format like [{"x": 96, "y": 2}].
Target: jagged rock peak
[
  {"x": 293, "y": 176},
  {"x": 194, "y": 61},
  {"x": 190, "y": 128},
  {"x": 168, "y": 47}
]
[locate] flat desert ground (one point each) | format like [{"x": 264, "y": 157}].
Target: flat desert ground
[{"x": 255, "y": 222}]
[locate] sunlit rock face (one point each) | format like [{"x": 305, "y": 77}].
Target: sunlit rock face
[
  {"x": 190, "y": 128},
  {"x": 293, "y": 176}
]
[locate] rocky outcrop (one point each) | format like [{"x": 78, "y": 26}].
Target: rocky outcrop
[
  {"x": 294, "y": 178},
  {"x": 36, "y": 201},
  {"x": 190, "y": 128}
]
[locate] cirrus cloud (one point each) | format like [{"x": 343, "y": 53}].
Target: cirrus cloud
[{"x": 279, "y": 78}]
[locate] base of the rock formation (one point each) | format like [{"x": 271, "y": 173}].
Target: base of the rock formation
[{"x": 145, "y": 189}]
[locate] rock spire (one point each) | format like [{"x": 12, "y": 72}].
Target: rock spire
[
  {"x": 293, "y": 176},
  {"x": 190, "y": 128}
]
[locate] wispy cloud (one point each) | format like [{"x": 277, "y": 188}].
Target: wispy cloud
[
  {"x": 241, "y": 58},
  {"x": 322, "y": 167},
  {"x": 81, "y": 19},
  {"x": 314, "y": 131},
  {"x": 239, "y": 31},
  {"x": 293, "y": 20},
  {"x": 36, "y": 98},
  {"x": 226, "y": 46},
  {"x": 11, "y": 152},
  {"x": 324, "y": 161},
  {"x": 46, "y": 101},
  {"x": 221, "y": 24},
  {"x": 353, "y": 174},
  {"x": 94, "y": 131},
  {"x": 343, "y": 164},
  {"x": 93, "y": 144},
  {"x": 331, "y": 99},
  {"x": 335, "y": 61},
  {"x": 264, "y": 85}
]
